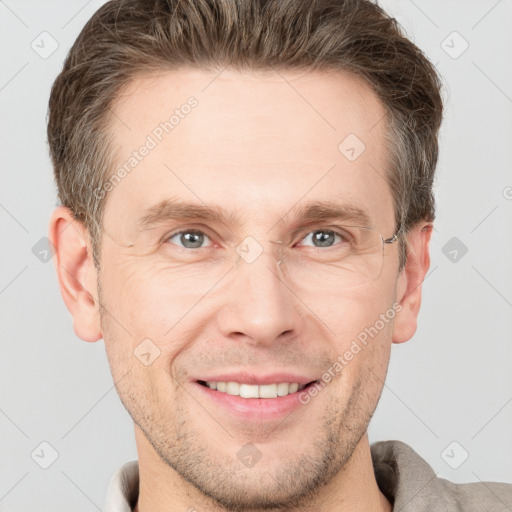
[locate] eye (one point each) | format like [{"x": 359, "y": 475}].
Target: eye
[
  {"x": 189, "y": 239},
  {"x": 323, "y": 238}
]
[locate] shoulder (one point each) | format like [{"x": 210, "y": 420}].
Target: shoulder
[
  {"x": 123, "y": 488},
  {"x": 409, "y": 481}
]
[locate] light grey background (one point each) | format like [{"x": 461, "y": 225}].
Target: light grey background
[{"x": 451, "y": 383}]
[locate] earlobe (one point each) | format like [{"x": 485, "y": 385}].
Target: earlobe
[
  {"x": 410, "y": 282},
  {"x": 76, "y": 272}
]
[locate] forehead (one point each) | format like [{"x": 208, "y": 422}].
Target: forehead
[{"x": 258, "y": 143}]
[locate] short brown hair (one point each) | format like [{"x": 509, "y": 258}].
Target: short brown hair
[{"x": 128, "y": 38}]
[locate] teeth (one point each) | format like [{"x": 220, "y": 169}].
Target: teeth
[
  {"x": 255, "y": 391},
  {"x": 249, "y": 391},
  {"x": 268, "y": 391},
  {"x": 233, "y": 388}
]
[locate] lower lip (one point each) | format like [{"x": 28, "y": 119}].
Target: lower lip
[{"x": 254, "y": 409}]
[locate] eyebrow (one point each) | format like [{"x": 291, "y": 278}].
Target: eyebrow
[{"x": 308, "y": 213}]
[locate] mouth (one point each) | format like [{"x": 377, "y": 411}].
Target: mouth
[
  {"x": 251, "y": 391},
  {"x": 251, "y": 403},
  {"x": 255, "y": 397}
]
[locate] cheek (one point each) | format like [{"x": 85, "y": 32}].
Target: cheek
[
  {"x": 151, "y": 300},
  {"x": 362, "y": 322},
  {"x": 364, "y": 358},
  {"x": 351, "y": 312}
]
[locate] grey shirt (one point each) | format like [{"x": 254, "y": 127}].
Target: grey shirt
[{"x": 402, "y": 475}]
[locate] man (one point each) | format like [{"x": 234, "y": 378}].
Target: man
[{"x": 246, "y": 213}]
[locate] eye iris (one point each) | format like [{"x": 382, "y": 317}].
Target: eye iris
[
  {"x": 192, "y": 239},
  {"x": 324, "y": 238}
]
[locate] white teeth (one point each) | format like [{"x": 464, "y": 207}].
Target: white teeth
[
  {"x": 233, "y": 388},
  {"x": 249, "y": 391},
  {"x": 283, "y": 388},
  {"x": 255, "y": 391},
  {"x": 268, "y": 391}
]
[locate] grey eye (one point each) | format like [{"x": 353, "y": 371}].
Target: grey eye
[
  {"x": 321, "y": 238},
  {"x": 189, "y": 239}
]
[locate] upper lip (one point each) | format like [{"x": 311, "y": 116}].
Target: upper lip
[{"x": 256, "y": 378}]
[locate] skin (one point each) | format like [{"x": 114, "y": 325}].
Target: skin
[{"x": 256, "y": 147}]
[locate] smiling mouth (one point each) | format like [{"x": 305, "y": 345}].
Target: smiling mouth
[{"x": 254, "y": 390}]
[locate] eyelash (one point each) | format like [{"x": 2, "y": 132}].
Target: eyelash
[
  {"x": 190, "y": 230},
  {"x": 199, "y": 231}
]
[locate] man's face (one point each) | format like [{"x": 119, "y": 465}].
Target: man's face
[{"x": 203, "y": 306}]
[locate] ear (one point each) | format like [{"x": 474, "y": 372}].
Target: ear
[
  {"x": 410, "y": 282},
  {"x": 76, "y": 272}
]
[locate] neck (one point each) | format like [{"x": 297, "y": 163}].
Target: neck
[{"x": 353, "y": 488}]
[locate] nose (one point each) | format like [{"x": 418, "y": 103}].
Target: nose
[{"x": 259, "y": 308}]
